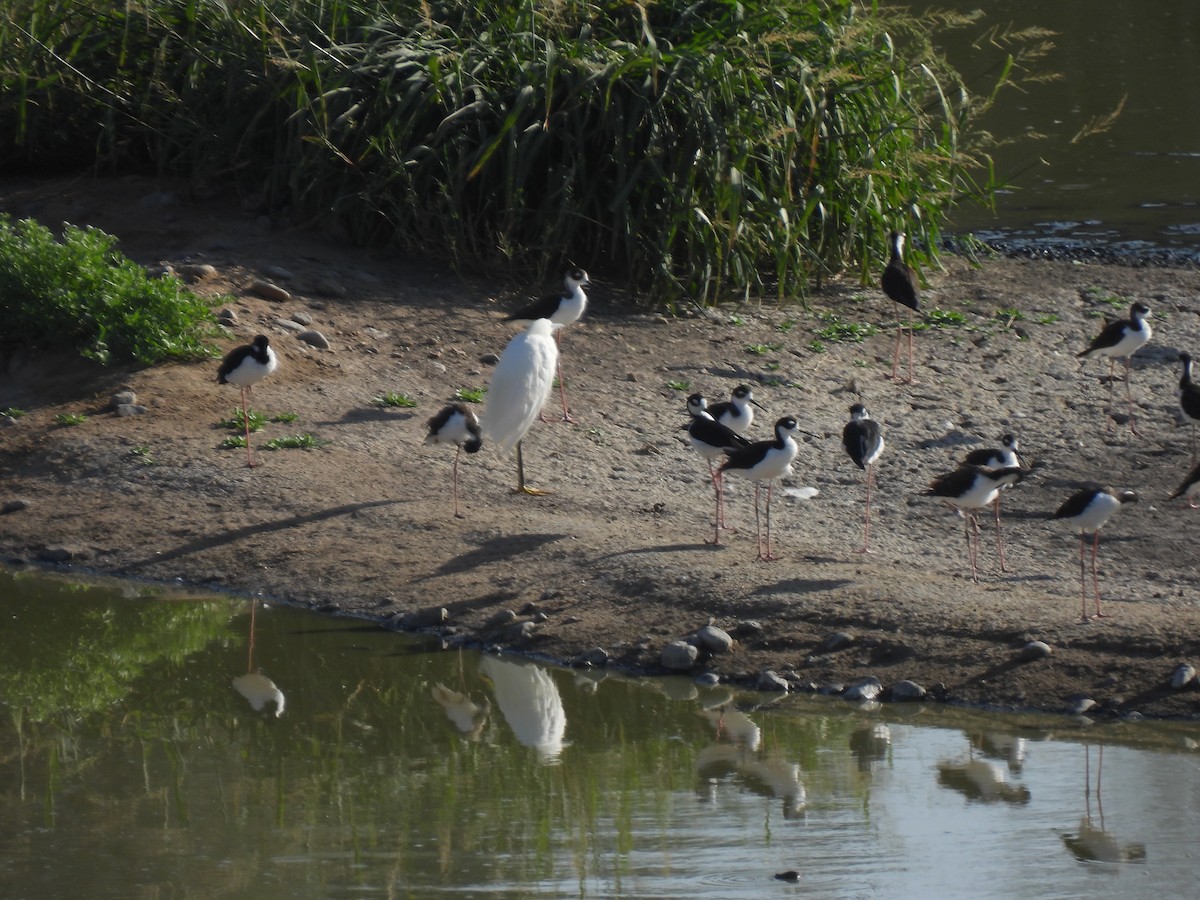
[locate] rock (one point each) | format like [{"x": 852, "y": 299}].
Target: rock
[
  {"x": 13, "y": 506},
  {"x": 290, "y": 325},
  {"x": 868, "y": 688},
  {"x": 596, "y": 658},
  {"x": 515, "y": 632},
  {"x": 1183, "y": 676},
  {"x": 193, "y": 272},
  {"x": 302, "y": 317},
  {"x": 123, "y": 398},
  {"x": 831, "y": 689},
  {"x": 678, "y": 656},
  {"x": 748, "y": 628},
  {"x": 429, "y": 617},
  {"x": 714, "y": 639},
  {"x": 905, "y": 690},
  {"x": 837, "y": 641},
  {"x": 769, "y": 681},
  {"x": 1077, "y": 706},
  {"x": 279, "y": 273},
  {"x": 61, "y": 553},
  {"x": 708, "y": 679},
  {"x": 791, "y": 875},
  {"x": 269, "y": 291},
  {"x": 501, "y": 617},
  {"x": 130, "y": 409},
  {"x": 7, "y": 421},
  {"x": 489, "y": 359},
  {"x": 324, "y": 287},
  {"x": 315, "y": 338},
  {"x": 1036, "y": 650},
  {"x": 226, "y": 317}
]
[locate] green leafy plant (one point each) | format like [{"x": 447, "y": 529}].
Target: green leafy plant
[
  {"x": 70, "y": 419},
  {"x": 838, "y": 330},
  {"x": 470, "y": 395},
  {"x": 763, "y": 349},
  {"x": 944, "y": 318},
  {"x": 785, "y": 326},
  {"x": 233, "y": 442},
  {"x": 236, "y": 422},
  {"x": 683, "y": 386},
  {"x": 393, "y": 399},
  {"x": 1047, "y": 319},
  {"x": 285, "y": 418},
  {"x": 142, "y": 453},
  {"x": 293, "y": 442},
  {"x": 12, "y": 412},
  {"x": 817, "y": 346},
  {"x": 81, "y": 294}
]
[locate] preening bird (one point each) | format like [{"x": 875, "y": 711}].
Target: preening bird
[
  {"x": 765, "y": 461},
  {"x": 522, "y": 381},
  {"x": 245, "y": 366},
  {"x": 712, "y": 440},
  {"x": 899, "y": 282},
  {"x": 1189, "y": 398},
  {"x": 1190, "y": 488},
  {"x": 562, "y": 308},
  {"x": 863, "y": 439},
  {"x": 1002, "y": 457},
  {"x": 1118, "y": 340},
  {"x": 1089, "y": 510},
  {"x": 969, "y": 489},
  {"x": 736, "y": 413},
  {"x": 457, "y": 425}
]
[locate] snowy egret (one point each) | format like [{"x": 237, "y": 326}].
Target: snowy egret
[
  {"x": 712, "y": 440},
  {"x": 765, "y": 461},
  {"x": 899, "y": 282},
  {"x": 1121, "y": 339},
  {"x": 522, "y": 381},
  {"x": 245, "y": 366},
  {"x": 735, "y": 413},
  {"x": 1089, "y": 510},
  {"x": 457, "y": 425},
  {"x": 970, "y": 489},
  {"x": 561, "y": 309},
  {"x": 863, "y": 439}
]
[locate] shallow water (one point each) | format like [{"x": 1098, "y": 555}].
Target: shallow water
[
  {"x": 1133, "y": 188},
  {"x": 138, "y": 759}
]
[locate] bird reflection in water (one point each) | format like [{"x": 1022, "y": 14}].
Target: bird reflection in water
[
  {"x": 1092, "y": 843},
  {"x": 737, "y": 749},
  {"x": 469, "y": 717},
  {"x": 981, "y": 779},
  {"x": 529, "y": 700},
  {"x": 870, "y": 745},
  {"x": 261, "y": 692}
]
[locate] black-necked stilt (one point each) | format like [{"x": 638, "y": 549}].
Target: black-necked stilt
[
  {"x": 1121, "y": 339},
  {"x": 522, "y": 381},
  {"x": 1190, "y": 488},
  {"x": 1189, "y": 398},
  {"x": 1006, "y": 456},
  {"x": 1089, "y": 510},
  {"x": 765, "y": 461},
  {"x": 899, "y": 282},
  {"x": 712, "y": 440},
  {"x": 736, "y": 413},
  {"x": 457, "y": 425},
  {"x": 246, "y": 366},
  {"x": 970, "y": 489},
  {"x": 563, "y": 308},
  {"x": 863, "y": 439}
]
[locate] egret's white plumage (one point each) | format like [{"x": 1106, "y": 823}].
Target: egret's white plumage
[{"x": 520, "y": 385}]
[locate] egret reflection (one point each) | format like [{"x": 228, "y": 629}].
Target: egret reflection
[
  {"x": 983, "y": 780},
  {"x": 736, "y": 750},
  {"x": 1092, "y": 842},
  {"x": 529, "y": 700},
  {"x": 259, "y": 690},
  {"x": 468, "y": 717}
]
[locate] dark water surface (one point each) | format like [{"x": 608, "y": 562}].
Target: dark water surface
[
  {"x": 162, "y": 745},
  {"x": 1134, "y": 188}
]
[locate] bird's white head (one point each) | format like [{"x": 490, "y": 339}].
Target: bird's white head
[
  {"x": 1139, "y": 311},
  {"x": 575, "y": 279},
  {"x": 858, "y": 411}
]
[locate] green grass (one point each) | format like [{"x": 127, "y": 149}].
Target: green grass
[
  {"x": 293, "y": 442},
  {"x": 943, "y": 318},
  {"x": 235, "y": 422},
  {"x": 233, "y": 442},
  {"x": 704, "y": 151},
  {"x": 817, "y": 346},
  {"x": 142, "y": 453},
  {"x": 785, "y": 326},
  {"x": 81, "y": 294},
  {"x": 1047, "y": 319},
  {"x": 682, "y": 386},
  {"x": 393, "y": 399},
  {"x": 837, "y": 330},
  {"x": 285, "y": 418},
  {"x": 763, "y": 349},
  {"x": 12, "y": 412},
  {"x": 470, "y": 395},
  {"x": 68, "y": 419}
]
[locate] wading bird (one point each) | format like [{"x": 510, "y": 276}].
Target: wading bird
[
  {"x": 1118, "y": 340},
  {"x": 863, "y": 439},
  {"x": 712, "y": 440},
  {"x": 1089, "y": 510},
  {"x": 736, "y": 413},
  {"x": 246, "y": 366},
  {"x": 1006, "y": 456},
  {"x": 457, "y": 425},
  {"x": 1189, "y": 489},
  {"x": 522, "y": 381},
  {"x": 765, "y": 461},
  {"x": 563, "y": 308},
  {"x": 1189, "y": 398},
  {"x": 969, "y": 489},
  {"x": 899, "y": 282}
]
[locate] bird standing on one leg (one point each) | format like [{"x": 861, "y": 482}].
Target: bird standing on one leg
[
  {"x": 765, "y": 461},
  {"x": 245, "y": 366},
  {"x": 1089, "y": 510},
  {"x": 899, "y": 282},
  {"x": 736, "y": 413},
  {"x": 863, "y": 439},
  {"x": 562, "y": 309},
  {"x": 1189, "y": 398},
  {"x": 457, "y": 425},
  {"x": 1121, "y": 339},
  {"x": 970, "y": 489},
  {"x": 712, "y": 440},
  {"x": 522, "y": 381},
  {"x": 1006, "y": 456}
]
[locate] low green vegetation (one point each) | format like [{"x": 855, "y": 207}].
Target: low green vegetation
[
  {"x": 681, "y": 386},
  {"x": 293, "y": 442},
  {"x": 763, "y": 349},
  {"x": 470, "y": 395},
  {"x": 70, "y": 419},
  {"x": 12, "y": 412},
  {"x": 233, "y": 442},
  {"x": 837, "y": 330},
  {"x": 709, "y": 151},
  {"x": 285, "y": 418},
  {"x": 393, "y": 399},
  {"x": 942, "y": 318},
  {"x": 237, "y": 421},
  {"x": 81, "y": 294}
]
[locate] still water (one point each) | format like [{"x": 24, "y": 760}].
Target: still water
[
  {"x": 1133, "y": 186},
  {"x": 166, "y": 745}
]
